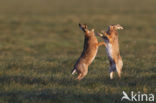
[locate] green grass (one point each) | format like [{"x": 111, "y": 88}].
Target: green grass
[{"x": 40, "y": 41}]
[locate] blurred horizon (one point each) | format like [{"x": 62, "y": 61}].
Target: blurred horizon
[{"x": 55, "y": 7}]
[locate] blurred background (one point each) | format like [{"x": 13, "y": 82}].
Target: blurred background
[{"x": 40, "y": 41}]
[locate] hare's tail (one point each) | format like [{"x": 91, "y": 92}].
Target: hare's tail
[{"x": 73, "y": 71}]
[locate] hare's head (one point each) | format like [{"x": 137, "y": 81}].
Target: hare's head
[
  {"x": 85, "y": 29},
  {"x": 115, "y": 27}
]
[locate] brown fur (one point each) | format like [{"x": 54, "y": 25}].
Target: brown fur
[
  {"x": 89, "y": 52},
  {"x": 112, "y": 46}
]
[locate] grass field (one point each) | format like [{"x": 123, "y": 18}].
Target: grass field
[{"x": 40, "y": 41}]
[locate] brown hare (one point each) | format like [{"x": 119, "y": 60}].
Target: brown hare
[
  {"x": 88, "y": 54},
  {"x": 112, "y": 48}
]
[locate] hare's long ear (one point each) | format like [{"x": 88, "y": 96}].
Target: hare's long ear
[
  {"x": 86, "y": 27},
  {"x": 111, "y": 27},
  {"x": 83, "y": 27},
  {"x": 118, "y": 27}
]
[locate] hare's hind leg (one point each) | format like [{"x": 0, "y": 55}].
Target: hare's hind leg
[
  {"x": 79, "y": 76},
  {"x": 112, "y": 69},
  {"x": 119, "y": 67},
  {"x": 83, "y": 75},
  {"x": 111, "y": 75},
  {"x": 83, "y": 71},
  {"x": 73, "y": 71}
]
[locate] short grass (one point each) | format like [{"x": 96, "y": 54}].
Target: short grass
[{"x": 40, "y": 41}]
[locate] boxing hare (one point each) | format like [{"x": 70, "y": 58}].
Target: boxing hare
[
  {"x": 89, "y": 52},
  {"x": 112, "y": 48}
]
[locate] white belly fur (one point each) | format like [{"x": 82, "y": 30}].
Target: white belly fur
[{"x": 109, "y": 50}]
